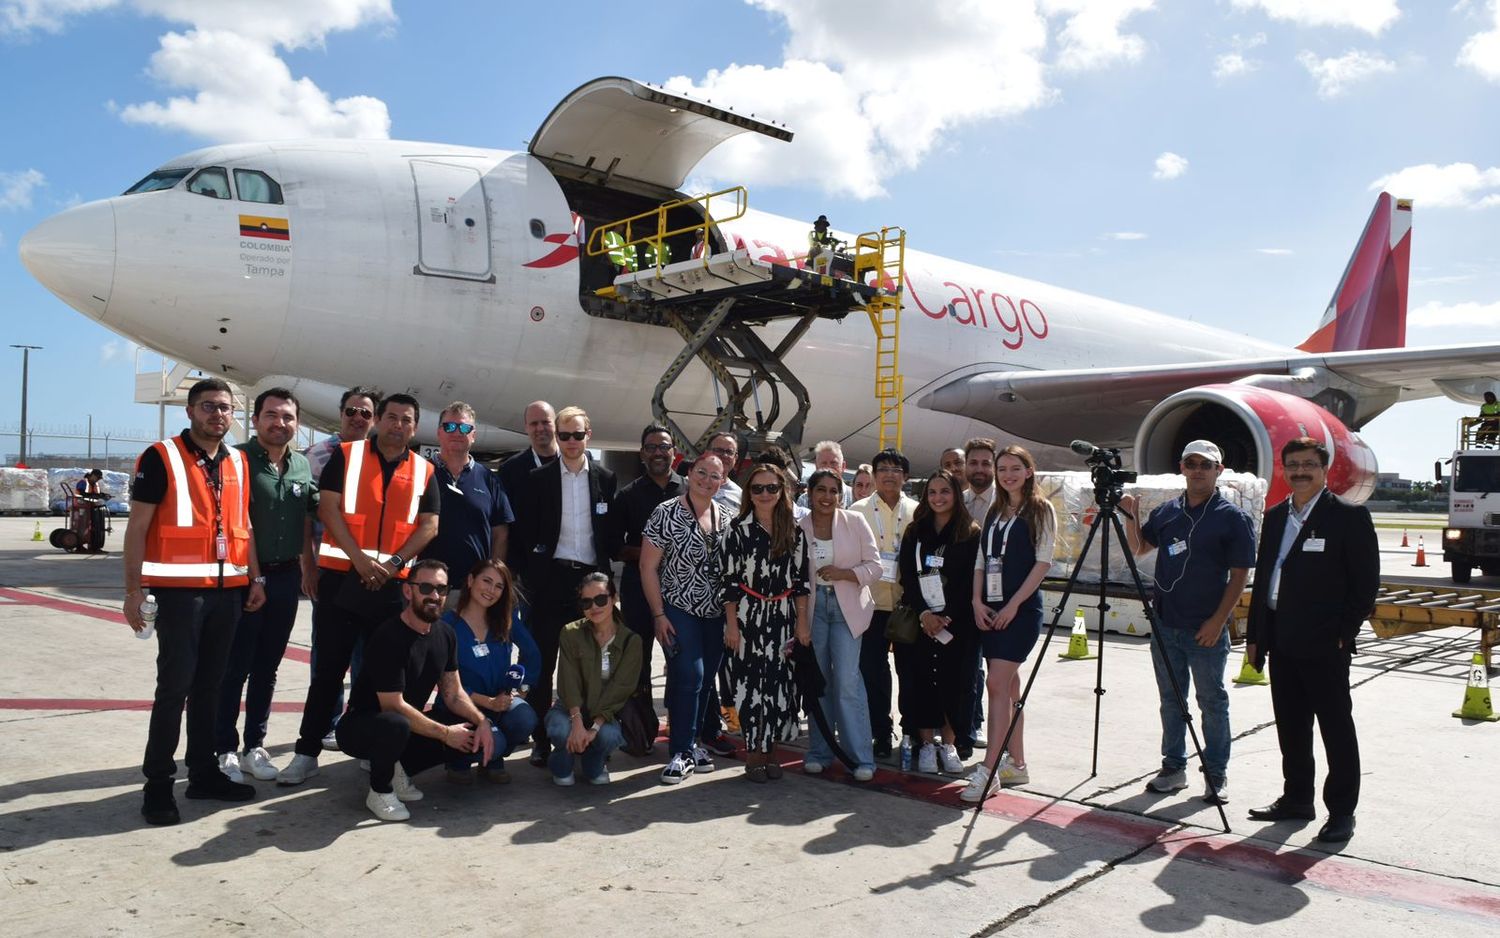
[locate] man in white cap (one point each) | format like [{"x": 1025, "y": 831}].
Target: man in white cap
[{"x": 1207, "y": 549}]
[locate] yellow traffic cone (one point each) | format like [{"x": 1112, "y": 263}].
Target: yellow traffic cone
[
  {"x": 1078, "y": 641},
  {"x": 36, "y": 532},
  {"x": 1477, "y": 695},
  {"x": 1248, "y": 674}
]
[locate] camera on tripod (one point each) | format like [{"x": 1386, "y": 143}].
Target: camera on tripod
[{"x": 1105, "y": 472}]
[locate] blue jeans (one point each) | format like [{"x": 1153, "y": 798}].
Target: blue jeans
[
  {"x": 559, "y": 724},
  {"x": 844, "y": 701},
  {"x": 509, "y": 728},
  {"x": 690, "y": 673},
  {"x": 259, "y": 642},
  {"x": 1180, "y": 649}
]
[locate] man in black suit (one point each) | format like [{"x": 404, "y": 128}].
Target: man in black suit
[
  {"x": 570, "y": 527},
  {"x": 515, "y": 477},
  {"x": 1316, "y": 576}
]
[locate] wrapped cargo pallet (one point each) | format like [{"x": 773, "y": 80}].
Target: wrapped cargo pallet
[{"x": 23, "y": 490}]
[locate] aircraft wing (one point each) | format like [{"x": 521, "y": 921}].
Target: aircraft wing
[{"x": 1106, "y": 404}]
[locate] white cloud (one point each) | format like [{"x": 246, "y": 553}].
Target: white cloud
[
  {"x": 1274, "y": 252},
  {"x": 1232, "y": 64},
  {"x": 16, "y": 189},
  {"x": 1169, "y": 166},
  {"x": 1372, "y": 16},
  {"x": 1091, "y": 37},
  {"x": 1336, "y": 75},
  {"x": 1457, "y": 185},
  {"x": 21, "y": 16},
  {"x": 1482, "y": 50},
  {"x": 117, "y": 350},
  {"x": 1435, "y": 314},
  {"x": 1124, "y": 236}
]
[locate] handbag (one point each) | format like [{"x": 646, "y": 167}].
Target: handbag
[
  {"x": 639, "y": 724},
  {"x": 904, "y": 625}
]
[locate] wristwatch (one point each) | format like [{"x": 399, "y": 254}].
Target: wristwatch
[
  {"x": 397, "y": 561},
  {"x": 258, "y": 580}
]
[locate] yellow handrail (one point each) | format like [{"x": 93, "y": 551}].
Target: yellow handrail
[
  {"x": 657, "y": 232},
  {"x": 882, "y": 254}
]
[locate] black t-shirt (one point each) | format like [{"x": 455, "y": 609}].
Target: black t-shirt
[
  {"x": 398, "y": 659},
  {"x": 332, "y": 479},
  {"x": 150, "y": 486}
]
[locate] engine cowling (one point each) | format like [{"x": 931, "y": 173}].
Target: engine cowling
[{"x": 1250, "y": 425}]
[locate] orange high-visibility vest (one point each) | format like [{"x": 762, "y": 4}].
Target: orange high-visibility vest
[
  {"x": 181, "y": 544},
  {"x": 379, "y": 517}
]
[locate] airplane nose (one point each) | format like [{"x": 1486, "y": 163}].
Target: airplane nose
[{"x": 73, "y": 255}]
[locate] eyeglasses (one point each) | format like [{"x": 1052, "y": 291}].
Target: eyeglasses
[
  {"x": 710, "y": 476},
  {"x": 724, "y": 451},
  {"x": 1198, "y": 465},
  {"x": 769, "y": 488},
  {"x": 364, "y": 412},
  {"x": 1307, "y": 465},
  {"x": 453, "y": 426},
  {"x": 656, "y": 447},
  {"x": 599, "y": 600},
  {"x": 888, "y": 469},
  {"x": 214, "y": 407},
  {"x": 579, "y": 435},
  {"x": 427, "y": 589}
]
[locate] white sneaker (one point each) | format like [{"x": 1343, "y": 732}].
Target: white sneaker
[
  {"x": 562, "y": 781},
  {"x": 299, "y": 770},
  {"x": 386, "y": 806},
  {"x": 229, "y": 764},
  {"x": 978, "y": 781},
  {"x": 948, "y": 756},
  {"x": 1008, "y": 774},
  {"x": 927, "y": 758},
  {"x": 864, "y": 773},
  {"x": 812, "y": 767},
  {"x": 331, "y": 742},
  {"x": 601, "y": 779},
  {"x": 258, "y": 761},
  {"x": 405, "y": 790}
]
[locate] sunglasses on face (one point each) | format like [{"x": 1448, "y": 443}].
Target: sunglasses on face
[
  {"x": 427, "y": 589},
  {"x": 364, "y": 412},
  {"x": 1197, "y": 466},
  {"x": 601, "y": 600},
  {"x": 579, "y": 435},
  {"x": 768, "y": 488},
  {"x": 453, "y": 426}
]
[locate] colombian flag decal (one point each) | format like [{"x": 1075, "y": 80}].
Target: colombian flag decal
[{"x": 261, "y": 226}]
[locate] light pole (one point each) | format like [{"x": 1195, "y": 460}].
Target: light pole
[{"x": 25, "y": 373}]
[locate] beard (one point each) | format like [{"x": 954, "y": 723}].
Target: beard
[{"x": 427, "y": 608}]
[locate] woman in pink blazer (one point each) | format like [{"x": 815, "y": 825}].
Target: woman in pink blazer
[{"x": 843, "y": 561}]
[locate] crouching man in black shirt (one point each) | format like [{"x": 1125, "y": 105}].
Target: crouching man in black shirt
[{"x": 405, "y": 658}]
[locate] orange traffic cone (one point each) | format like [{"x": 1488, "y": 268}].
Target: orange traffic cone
[
  {"x": 1421, "y": 553},
  {"x": 1404, "y": 541}
]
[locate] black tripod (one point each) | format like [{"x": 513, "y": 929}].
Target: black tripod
[{"x": 1109, "y": 484}]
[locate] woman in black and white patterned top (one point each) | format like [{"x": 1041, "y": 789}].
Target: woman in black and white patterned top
[{"x": 680, "y": 577}]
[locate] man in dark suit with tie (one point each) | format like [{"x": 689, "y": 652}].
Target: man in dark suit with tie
[
  {"x": 1316, "y": 576},
  {"x": 570, "y": 527}
]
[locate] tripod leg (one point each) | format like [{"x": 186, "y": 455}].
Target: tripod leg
[{"x": 1103, "y": 611}]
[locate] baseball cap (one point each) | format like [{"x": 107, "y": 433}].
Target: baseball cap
[{"x": 1205, "y": 449}]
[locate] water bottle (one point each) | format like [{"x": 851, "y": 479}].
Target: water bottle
[
  {"x": 906, "y": 753},
  {"x": 148, "y": 615}
]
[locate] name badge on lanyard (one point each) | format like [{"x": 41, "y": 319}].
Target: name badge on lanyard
[
  {"x": 889, "y": 571},
  {"x": 932, "y": 591},
  {"x": 888, "y": 566},
  {"x": 1176, "y": 547},
  {"x": 481, "y": 650},
  {"x": 1314, "y": 545},
  {"x": 994, "y": 585}
]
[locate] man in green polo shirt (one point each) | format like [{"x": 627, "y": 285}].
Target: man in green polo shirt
[{"x": 283, "y": 502}]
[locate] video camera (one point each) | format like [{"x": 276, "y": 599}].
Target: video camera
[{"x": 1105, "y": 472}]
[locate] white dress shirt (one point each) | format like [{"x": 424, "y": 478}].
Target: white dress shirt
[{"x": 575, "y": 535}]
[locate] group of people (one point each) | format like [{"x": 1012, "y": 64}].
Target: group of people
[{"x": 494, "y": 589}]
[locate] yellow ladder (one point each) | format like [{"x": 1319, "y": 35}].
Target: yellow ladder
[{"x": 882, "y": 254}]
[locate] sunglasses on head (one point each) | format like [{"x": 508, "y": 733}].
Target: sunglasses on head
[
  {"x": 427, "y": 589},
  {"x": 767, "y": 488},
  {"x": 453, "y": 426},
  {"x": 578, "y": 435},
  {"x": 364, "y": 412},
  {"x": 601, "y": 600}
]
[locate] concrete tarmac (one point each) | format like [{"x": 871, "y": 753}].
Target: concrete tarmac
[{"x": 1070, "y": 853}]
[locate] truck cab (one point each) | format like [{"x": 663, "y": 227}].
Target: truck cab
[{"x": 1472, "y": 535}]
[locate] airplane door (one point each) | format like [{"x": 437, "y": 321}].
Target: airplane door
[{"x": 453, "y": 222}]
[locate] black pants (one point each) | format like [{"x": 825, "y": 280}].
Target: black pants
[
  {"x": 259, "y": 644},
  {"x": 335, "y": 633},
  {"x": 1302, "y": 690},
  {"x": 554, "y": 603},
  {"x": 638, "y": 619},
  {"x": 875, "y": 668},
  {"x": 937, "y": 684},
  {"x": 194, "y": 630},
  {"x": 386, "y": 738}
]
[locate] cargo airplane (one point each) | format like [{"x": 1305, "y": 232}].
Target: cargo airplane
[{"x": 457, "y": 272}]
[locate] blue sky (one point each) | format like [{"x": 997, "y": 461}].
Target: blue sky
[{"x": 1211, "y": 160}]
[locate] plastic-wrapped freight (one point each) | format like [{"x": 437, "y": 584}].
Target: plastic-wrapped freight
[
  {"x": 23, "y": 490},
  {"x": 116, "y": 484}
]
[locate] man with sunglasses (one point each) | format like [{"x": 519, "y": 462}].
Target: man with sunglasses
[
  {"x": 634, "y": 505},
  {"x": 1315, "y": 583},
  {"x": 379, "y": 505},
  {"x": 407, "y": 657},
  {"x": 190, "y": 545},
  {"x": 515, "y": 477},
  {"x": 570, "y": 526},
  {"x": 1207, "y": 547},
  {"x": 476, "y": 515}
]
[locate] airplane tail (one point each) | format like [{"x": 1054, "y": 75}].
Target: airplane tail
[{"x": 1368, "y": 309}]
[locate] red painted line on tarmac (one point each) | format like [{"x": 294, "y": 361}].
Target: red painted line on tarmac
[
  {"x": 105, "y": 703},
  {"x": 22, "y": 598}
]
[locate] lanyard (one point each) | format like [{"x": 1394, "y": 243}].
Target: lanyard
[
  {"x": 1004, "y": 538},
  {"x": 880, "y": 525}
]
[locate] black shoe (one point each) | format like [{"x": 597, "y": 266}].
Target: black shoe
[
  {"x": 721, "y": 745},
  {"x": 1340, "y": 828},
  {"x": 158, "y": 806},
  {"x": 1281, "y": 810},
  {"x": 883, "y": 748},
  {"x": 216, "y": 786},
  {"x": 539, "y": 753}
]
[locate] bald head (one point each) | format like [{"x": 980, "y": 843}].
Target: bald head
[{"x": 541, "y": 427}]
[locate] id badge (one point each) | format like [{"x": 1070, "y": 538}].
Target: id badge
[
  {"x": 1176, "y": 547},
  {"x": 994, "y": 590},
  {"x": 602, "y": 508},
  {"x": 935, "y": 562},
  {"x": 221, "y": 546},
  {"x": 888, "y": 566},
  {"x": 932, "y": 591},
  {"x": 481, "y": 651},
  {"x": 1314, "y": 545}
]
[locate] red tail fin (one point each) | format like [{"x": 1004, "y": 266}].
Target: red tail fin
[{"x": 1368, "y": 310}]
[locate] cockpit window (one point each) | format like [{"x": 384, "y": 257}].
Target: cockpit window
[
  {"x": 212, "y": 182},
  {"x": 255, "y": 186},
  {"x": 161, "y": 179}
]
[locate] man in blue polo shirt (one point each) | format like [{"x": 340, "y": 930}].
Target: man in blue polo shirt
[
  {"x": 476, "y": 516},
  {"x": 1207, "y": 549}
]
